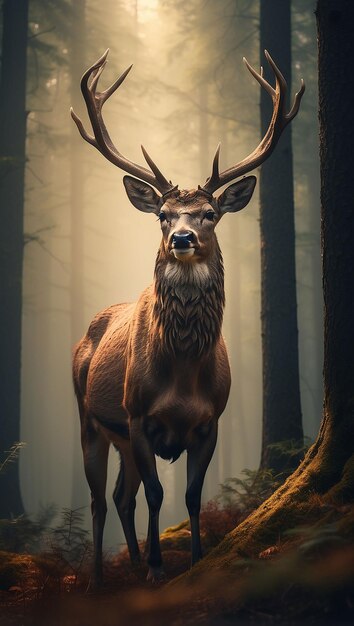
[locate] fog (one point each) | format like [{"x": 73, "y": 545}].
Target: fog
[{"x": 187, "y": 91}]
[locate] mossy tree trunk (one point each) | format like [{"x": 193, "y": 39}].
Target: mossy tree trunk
[
  {"x": 282, "y": 420},
  {"x": 328, "y": 468}
]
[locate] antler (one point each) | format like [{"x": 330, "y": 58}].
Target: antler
[
  {"x": 280, "y": 119},
  {"x": 101, "y": 139}
]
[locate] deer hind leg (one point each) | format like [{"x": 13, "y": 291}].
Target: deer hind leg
[
  {"x": 95, "y": 451},
  {"x": 126, "y": 488}
]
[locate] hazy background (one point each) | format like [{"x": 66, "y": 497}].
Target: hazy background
[{"x": 187, "y": 91}]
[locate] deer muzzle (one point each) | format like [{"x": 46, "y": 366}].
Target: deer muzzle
[{"x": 182, "y": 245}]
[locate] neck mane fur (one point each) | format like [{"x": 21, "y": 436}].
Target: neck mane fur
[{"x": 189, "y": 304}]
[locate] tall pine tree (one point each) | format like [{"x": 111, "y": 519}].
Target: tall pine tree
[{"x": 282, "y": 419}]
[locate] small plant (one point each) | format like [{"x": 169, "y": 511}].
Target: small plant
[
  {"x": 25, "y": 535},
  {"x": 247, "y": 493},
  {"x": 69, "y": 544}
]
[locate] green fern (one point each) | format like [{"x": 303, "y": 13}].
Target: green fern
[
  {"x": 249, "y": 492},
  {"x": 69, "y": 542}
]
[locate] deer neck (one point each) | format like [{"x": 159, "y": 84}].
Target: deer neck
[{"x": 189, "y": 304}]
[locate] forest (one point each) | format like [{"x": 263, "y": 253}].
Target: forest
[{"x": 277, "y": 513}]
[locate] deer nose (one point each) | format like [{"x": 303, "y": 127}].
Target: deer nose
[{"x": 182, "y": 240}]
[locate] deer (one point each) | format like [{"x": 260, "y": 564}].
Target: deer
[{"x": 153, "y": 377}]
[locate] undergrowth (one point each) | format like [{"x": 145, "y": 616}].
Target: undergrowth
[
  {"x": 306, "y": 574},
  {"x": 33, "y": 549}
]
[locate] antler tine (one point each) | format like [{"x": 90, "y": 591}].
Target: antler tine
[
  {"x": 92, "y": 71},
  {"x": 259, "y": 78},
  {"x": 108, "y": 92},
  {"x": 84, "y": 134},
  {"x": 278, "y": 75},
  {"x": 95, "y": 77},
  {"x": 297, "y": 101},
  {"x": 101, "y": 140},
  {"x": 280, "y": 119},
  {"x": 214, "y": 178},
  {"x": 159, "y": 176},
  {"x": 215, "y": 170}
]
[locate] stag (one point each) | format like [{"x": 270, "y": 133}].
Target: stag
[{"x": 153, "y": 377}]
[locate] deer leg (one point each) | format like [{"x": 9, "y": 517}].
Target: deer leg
[
  {"x": 146, "y": 464},
  {"x": 147, "y": 542},
  {"x": 198, "y": 459},
  {"x": 95, "y": 451},
  {"x": 126, "y": 488}
]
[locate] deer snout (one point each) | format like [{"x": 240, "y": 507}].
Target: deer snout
[
  {"x": 182, "y": 239},
  {"x": 183, "y": 244}
]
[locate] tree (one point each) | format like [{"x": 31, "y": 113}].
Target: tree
[
  {"x": 282, "y": 420},
  {"x": 12, "y": 164},
  {"x": 305, "y": 138},
  {"x": 325, "y": 478}
]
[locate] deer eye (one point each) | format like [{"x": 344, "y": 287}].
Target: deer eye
[
  {"x": 210, "y": 215},
  {"x": 162, "y": 216}
]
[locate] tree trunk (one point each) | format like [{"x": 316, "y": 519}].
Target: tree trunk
[
  {"x": 335, "y": 21},
  {"x": 326, "y": 476},
  {"x": 316, "y": 294},
  {"x": 282, "y": 419},
  {"x": 12, "y": 164}
]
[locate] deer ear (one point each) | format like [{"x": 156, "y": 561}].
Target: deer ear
[
  {"x": 142, "y": 195},
  {"x": 235, "y": 197}
]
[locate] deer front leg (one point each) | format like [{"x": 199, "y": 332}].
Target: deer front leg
[
  {"x": 146, "y": 463},
  {"x": 198, "y": 459}
]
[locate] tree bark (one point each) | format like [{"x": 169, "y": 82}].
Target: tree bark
[
  {"x": 12, "y": 166},
  {"x": 336, "y": 88},
  {"x": 282, "y": 420}
]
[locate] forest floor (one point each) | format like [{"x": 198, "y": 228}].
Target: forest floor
[{"x": 307, "y": 578}]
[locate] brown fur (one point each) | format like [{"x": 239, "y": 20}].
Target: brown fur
[{"x": 151, "y": 356}]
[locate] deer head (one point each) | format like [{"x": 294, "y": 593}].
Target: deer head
[{"x": 188, "y": 218}]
